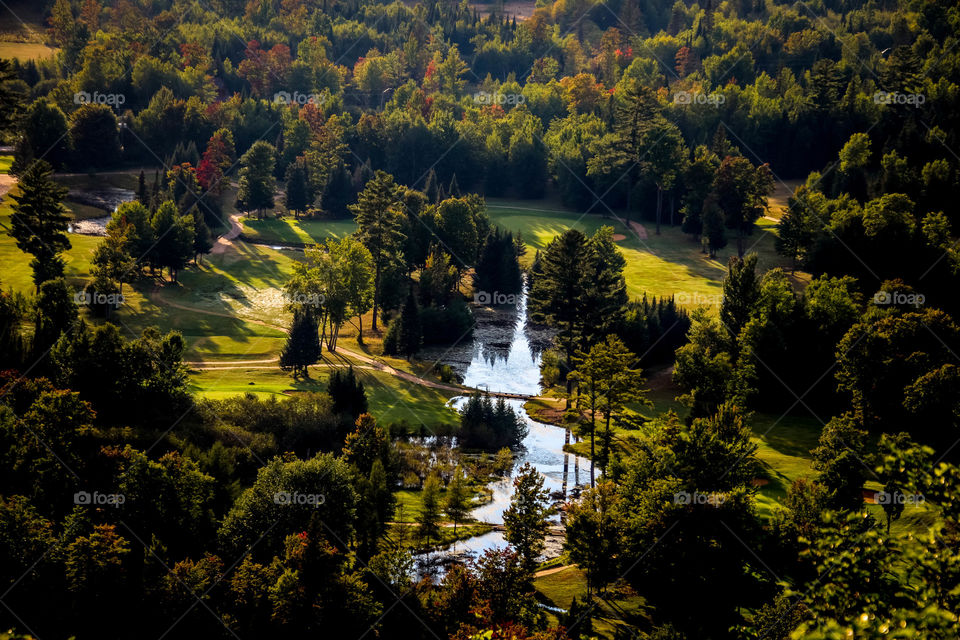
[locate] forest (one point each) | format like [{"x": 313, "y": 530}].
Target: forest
[{"x": 490, "y": 319}]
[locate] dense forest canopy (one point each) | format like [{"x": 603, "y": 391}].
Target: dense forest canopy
[{"x": 778, "y": 463}]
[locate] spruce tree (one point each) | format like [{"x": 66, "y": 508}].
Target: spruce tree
[
  {"x": 202, "y": 238},
  {"x": 302, "y": 347},
  {"x": 142, "y": 189},
  {"x": 410, "y": 336},
  {"x": 379, "y": 228},
  {"x": 429, "y": 518},
  {"x": 298, "y": 197},
  {"x": 39, "y": 221},
  {"x": 458, "y": 499}
]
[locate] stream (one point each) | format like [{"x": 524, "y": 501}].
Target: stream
[{"x": 505, "y": 357}]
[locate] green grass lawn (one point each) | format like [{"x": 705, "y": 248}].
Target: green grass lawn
[
  {"x": 290, "y": 231},
  {"x": 410, "y": 503},
  {"x": 668, "y": 264},
  {"x": 18, "y": 275},
  {"x": 26, "y": 50},
  {"x": 559, "y": 589},
  {"x": 391, "y": 400},
  {"x": 5, "y": 161}
]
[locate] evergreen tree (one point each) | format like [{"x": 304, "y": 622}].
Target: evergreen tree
[
  {"x": 454, "y": 190},
  {"x": 298, "y": 197},
  {"x": 411, "y": 331},
  {"x": 174, "y": 234},
  {"x": 458, "y": 498},
  {"x": 302, "y": 347},
  {"x": 429, "y": 518},
  {"x": 142, "y": 189},
  {"x": 39, "y": 221},
  {"x": 525, "y": 520},
  {"x": 740, "y": 291},
  {"x": 347, "y": 392},
  {"x": 256, "y": 178},
  {"x": 379, "y": 228},
  {"x": 202, "y": 238}
]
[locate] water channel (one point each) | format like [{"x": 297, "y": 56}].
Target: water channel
[{"x": 505, "y": 357}]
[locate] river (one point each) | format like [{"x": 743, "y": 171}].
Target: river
[{"x": 505, "y": 357}]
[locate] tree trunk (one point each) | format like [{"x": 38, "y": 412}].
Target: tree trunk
[
  {"x": 360, "y": 330},
  {"x": 593, "y": 433},
  {"x": 659, "y": 207},
  {"x": 607, "y": 443},
  {"x": 629, "y": 194},
  {"x": 376, "y": 296}
]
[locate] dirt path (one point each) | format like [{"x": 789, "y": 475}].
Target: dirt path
[
  {"x": 551, "y": 571},
  {"x": 225, "y": 241},
  {"x": 639, "y": 229},
  {"x": 6, "y": 183}
]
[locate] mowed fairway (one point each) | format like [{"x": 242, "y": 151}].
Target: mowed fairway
[
  {"x": 391, "y": 399},
  {"x": 664, "y": 265},
  {"x": 291, "y": 231},
  {"x": 670, "y": 264}
]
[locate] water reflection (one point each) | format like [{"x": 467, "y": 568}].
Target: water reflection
[
  {"x": 513, "y": 366},
  {"x": 105, "y": 198}
]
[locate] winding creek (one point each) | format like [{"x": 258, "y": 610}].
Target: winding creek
[{"x": 505, "y": 357}]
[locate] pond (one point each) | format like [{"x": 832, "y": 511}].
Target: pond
[{"x": 106, "y": 198}]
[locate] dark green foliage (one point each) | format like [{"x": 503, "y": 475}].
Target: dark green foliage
[
  {"x": 498, "y": 270},
  {"x": 39, "y": 221},
  {"x": 119, "y": 377},
  {"x": 654, "y": 329},
  {"x": 446, "y": 325},
  {"x": 282, "y": 500},
  {"x": 840, "y": 459},
  {"x": 489, "y": 425},
  {"x": 302, "y": 347},
  {"x": 405, "y": 334},
  {"x": 347, "y": 392},
  {"x": 93, "y": 130},
  {"x": 298, "y": 196}
]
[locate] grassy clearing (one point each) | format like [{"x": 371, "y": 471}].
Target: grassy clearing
[
  {"x": 5, "y": 161},
  {"x": 668, "y": 264},
  {"x": 408, "y": 536},
  {"x": 290, "y": 231},
  {"x": 410, "y": 502},
  {"x": 26, "y": 50},
  {"x": 615, "y": 609},
  {"x": 17, "y": 274},
  {"x": 391, "y": 399}
]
